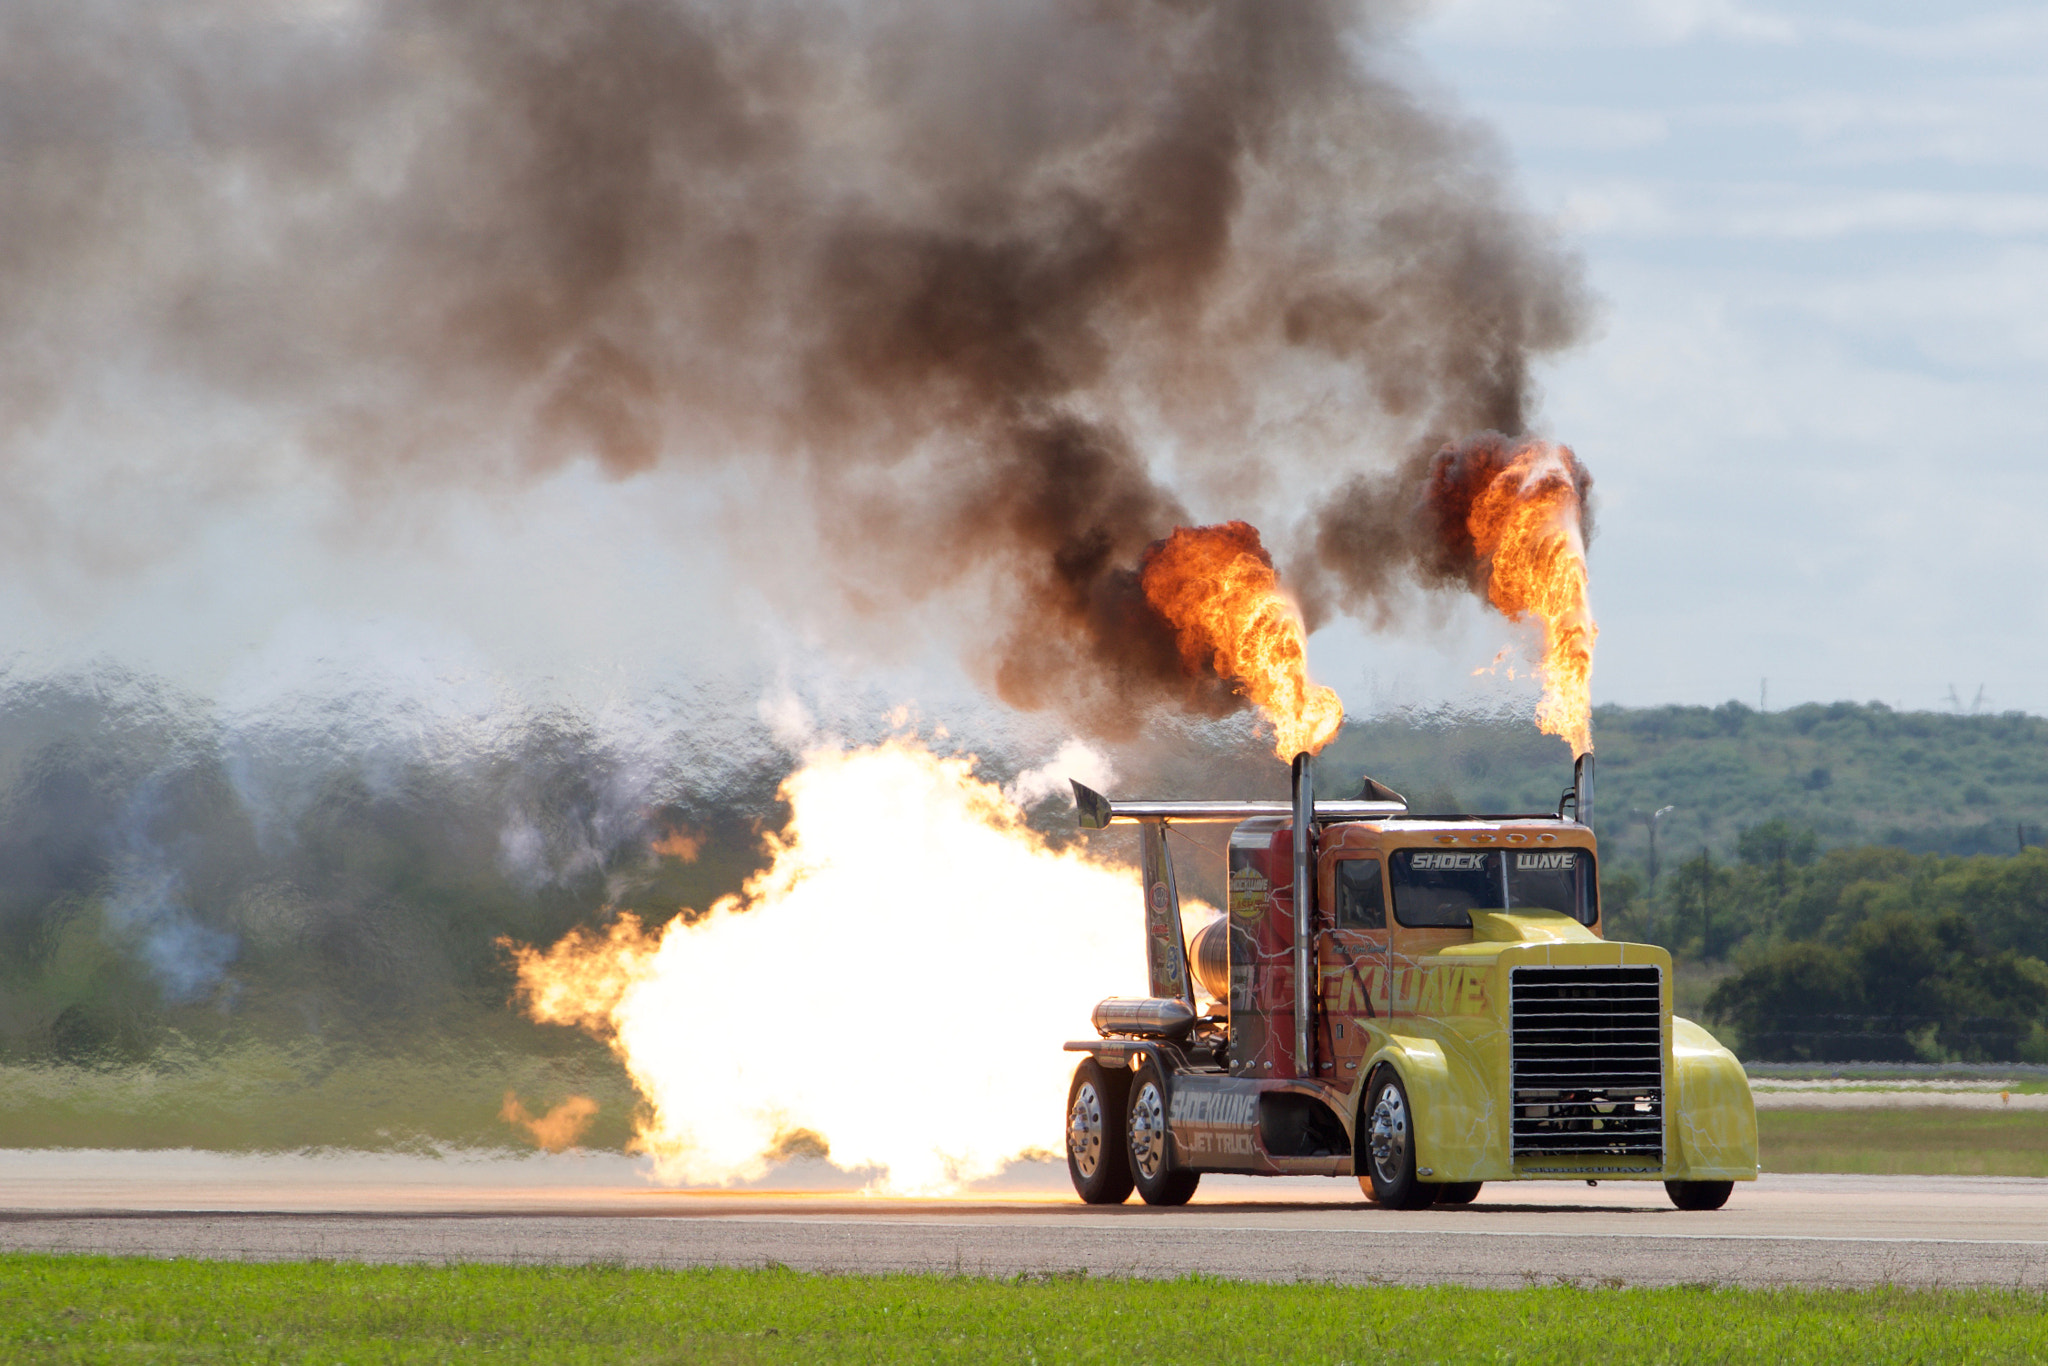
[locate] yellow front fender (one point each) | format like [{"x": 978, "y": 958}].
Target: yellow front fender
[
  {"x": 1456, "y": 1123},
  {"x": 1713, "y": 1115}
]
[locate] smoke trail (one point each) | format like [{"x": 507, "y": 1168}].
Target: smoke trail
[
  {"x": 982, "y": 298},
  {"x": 148, "y": 905},
  {"x": 1382, "y": 536}
]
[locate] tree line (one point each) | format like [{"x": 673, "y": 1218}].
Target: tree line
[
  {"x": 165, "y": 874},
  {"x": 1864, "y": 953}
]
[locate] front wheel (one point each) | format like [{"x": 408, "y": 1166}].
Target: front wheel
[
  {"x": 1458, "y": 1192},
  {"x": 1159, "y": 1181},
  {"x": 1699, "y": 1194},
  {"x": 1096, "y": 1157},
  {"x": 1390, "y": 1146}
]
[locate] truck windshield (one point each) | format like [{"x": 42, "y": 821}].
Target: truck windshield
[{"x": 1442, "y": 887}]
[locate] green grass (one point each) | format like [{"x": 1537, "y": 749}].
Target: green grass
[
  {"x": 1905, "y": 1142},
  {"x": 103, "y": 1309}
]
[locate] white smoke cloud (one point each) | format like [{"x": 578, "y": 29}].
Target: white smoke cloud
[{"x": 1077, "y": 761}]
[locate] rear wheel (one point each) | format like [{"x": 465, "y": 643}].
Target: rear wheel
[
  {"x": 1390, "y": 1146},
  {"x": 1699, "y": 1194},
  {"x": 1458, "y": 1192},
  {"x": 1158, "y": 1180},
  {"x": 1096, "y": 1156}
]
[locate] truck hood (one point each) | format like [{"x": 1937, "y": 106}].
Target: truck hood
[{"x": 1530, "y": 927}]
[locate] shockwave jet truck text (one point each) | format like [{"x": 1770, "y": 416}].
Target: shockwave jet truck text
[{"x": 1423, "y": 1002}]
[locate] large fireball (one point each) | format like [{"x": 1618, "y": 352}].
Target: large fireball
[{"x": 898, "y": 983}]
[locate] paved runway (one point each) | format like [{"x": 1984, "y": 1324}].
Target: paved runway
[{"x": 1809, "y": 1230}]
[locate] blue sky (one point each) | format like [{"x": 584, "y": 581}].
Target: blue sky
[{"x": 1815, "y": 401}]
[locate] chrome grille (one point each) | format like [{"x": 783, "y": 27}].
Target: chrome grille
[{"x": 1588, "y": 1061}]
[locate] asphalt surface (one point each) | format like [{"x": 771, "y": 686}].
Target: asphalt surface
[{"x": 1782, "y": 1230}]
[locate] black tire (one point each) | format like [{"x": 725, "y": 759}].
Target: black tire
[
  {"x": 1699, "y": 1194},
  {"x": 1387, "y": 1143},
  {"x": 1149, "y": 1142},
  {"x": 1097, "y": 1158},
  {"x": 1458, "y": 1192}
]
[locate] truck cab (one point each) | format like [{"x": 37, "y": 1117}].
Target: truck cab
[{"x": 1464, "y": 1020}]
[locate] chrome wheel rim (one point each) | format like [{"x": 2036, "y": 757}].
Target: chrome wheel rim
[
  {"x": 1148, "y": 1131},
  {"x": 1389, "y": 1135},
  {"x": 1084, "y": 1130}
]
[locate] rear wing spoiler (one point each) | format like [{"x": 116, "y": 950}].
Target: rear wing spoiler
[{"x": 1098, "y": 812}]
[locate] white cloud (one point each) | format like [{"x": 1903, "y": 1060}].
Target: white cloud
[
  {"x": 1622, "y": 209},
  {"x": 1580, "y": 127},
  {"x": 1605, "y": 23},
  {"x": 2000, "y": 35},
  {"x": 1793, "y": 212},
  {"x": 1077, "y": 761}
]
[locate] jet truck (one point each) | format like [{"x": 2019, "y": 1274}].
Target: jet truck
[{"x": 1424, "y": 1002}]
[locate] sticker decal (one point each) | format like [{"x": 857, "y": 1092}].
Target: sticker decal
[
  {"x": 1234, "y": 1109},
  {"x": 1448, "y": 863},
  {"x": 1550, "y": 861},
  {"x": 1206, "y": 1122},
  {"x": 1248, "y": 889},
  {"x": 1409, "y": 989}
]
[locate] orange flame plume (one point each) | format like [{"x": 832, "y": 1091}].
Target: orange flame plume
[
  {"x": 907, "y": 906},
  {"x": 1525, "y": 522},
  {"x": 1217, "y": 586},
  {"x": 559, "y": 1129},
  {"x": 682, "y": 845}
]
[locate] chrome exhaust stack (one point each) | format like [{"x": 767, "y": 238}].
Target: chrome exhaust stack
[
  {"x": 1578, "y": 798},
  {"x": 1093, "y": 811},
  {"x": 1304, "y": 909}
]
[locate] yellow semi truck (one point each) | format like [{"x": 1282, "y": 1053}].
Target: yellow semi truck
[{"x": 1424, "y": 1002}]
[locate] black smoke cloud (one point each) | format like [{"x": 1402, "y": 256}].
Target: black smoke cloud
[
  {"x": 993, "y": 295},
  {"x": 1382, "y": 536}
]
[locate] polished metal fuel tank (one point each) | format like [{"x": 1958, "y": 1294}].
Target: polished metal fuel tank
[
  {"x": 1209, "y": 957},
  {"x": 1145, "y": 1016}
]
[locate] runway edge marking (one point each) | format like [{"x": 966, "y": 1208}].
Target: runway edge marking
[{"x": 1370, "y": 1232}]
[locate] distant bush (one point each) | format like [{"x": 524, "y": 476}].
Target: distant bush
[{"x": 1900, "y": 987}]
